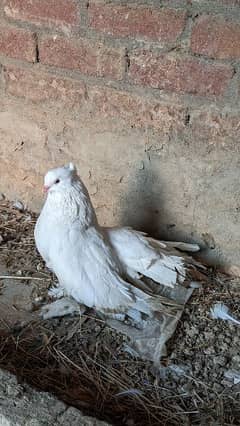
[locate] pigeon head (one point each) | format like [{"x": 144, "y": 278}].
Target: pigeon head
[{"x": 60, "y": 178}]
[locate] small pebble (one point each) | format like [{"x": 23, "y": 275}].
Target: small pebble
[
  {"x": 208, "y": 335},
  {"x": 217, "y": 387},
  {"x": 193, "y": 331},
  {"x": 1, "y": 239},
  {"x": 236, "y": 359},
  {"x": 220, "y": 360}
]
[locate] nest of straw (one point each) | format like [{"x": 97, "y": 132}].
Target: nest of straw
[
  {"x": 83, "y": 362},
  {"x": 101, "y": 382}
]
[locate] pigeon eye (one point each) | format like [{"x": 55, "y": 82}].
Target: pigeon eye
[{"x": 57, "y": 181}]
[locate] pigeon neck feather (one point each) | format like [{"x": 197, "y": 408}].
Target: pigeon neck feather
[{"x": 71, "y": 205}]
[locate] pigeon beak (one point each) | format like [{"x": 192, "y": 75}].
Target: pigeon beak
[{"x": 45, "y": 188}]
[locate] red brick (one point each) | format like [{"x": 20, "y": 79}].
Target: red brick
[
  {"x": 136, "y": 111},
  {"x": 82, "y": 55},
  {"x": 216, "y": 127},
  {"x": 142, "y": 22},
  {"x": 55, "y": 12},
  {"x": 17, "y": 43},
  {"x": 40, "y": 87},
  {"x": 104, "y": 103},
  {"x": 216, "y": 38},
  {"x": 178, "y": 74}
]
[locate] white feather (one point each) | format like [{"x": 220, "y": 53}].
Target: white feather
[
  {"x": 221, "y": 311},
  {"x": 129, "y": 392},
  {"x": 192, "y": 248},
  {"x": 139, "y": 255}
]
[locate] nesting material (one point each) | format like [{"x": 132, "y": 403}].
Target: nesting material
[{"x": 85, "y": 362}]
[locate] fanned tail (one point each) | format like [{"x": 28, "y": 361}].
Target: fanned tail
[{"x": 160, "y": 261}]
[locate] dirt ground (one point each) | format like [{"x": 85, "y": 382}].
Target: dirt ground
[{"x": 83, "y": 361}]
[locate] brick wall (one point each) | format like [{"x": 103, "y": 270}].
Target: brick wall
[{"x": 144, "y": 96}]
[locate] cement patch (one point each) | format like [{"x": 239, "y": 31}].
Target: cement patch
[{"x": 20, "y": 405}]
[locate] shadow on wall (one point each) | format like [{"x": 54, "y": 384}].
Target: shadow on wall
[
  {"x": 144, "y": 210},
  {"x": 142, "y": 202}
]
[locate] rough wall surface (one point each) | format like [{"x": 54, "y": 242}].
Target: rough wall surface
[
  {"x": 20, "y": 405},
  {"x": 142, "y": 96}
]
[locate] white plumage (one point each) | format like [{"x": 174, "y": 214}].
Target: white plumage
[{"x": 103, "y": 267}]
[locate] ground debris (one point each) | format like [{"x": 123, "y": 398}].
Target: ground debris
[{"x": 84, "y": 362}]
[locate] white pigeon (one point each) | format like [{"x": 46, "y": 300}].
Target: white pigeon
[{"x": 103, "y": 268}]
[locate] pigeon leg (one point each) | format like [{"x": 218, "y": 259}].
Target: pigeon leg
[{"x": 56, "y": 292}]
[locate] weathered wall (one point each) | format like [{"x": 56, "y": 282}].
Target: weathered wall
[
  {"x": 21, "y": 405},
  {"x": 143, "y": 96}
]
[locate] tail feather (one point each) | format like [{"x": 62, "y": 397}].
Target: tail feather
[
  {"x": 159, "y": 260},
  {"x": 191, "y": 248},
  {"x": 157, "y": 304}
]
